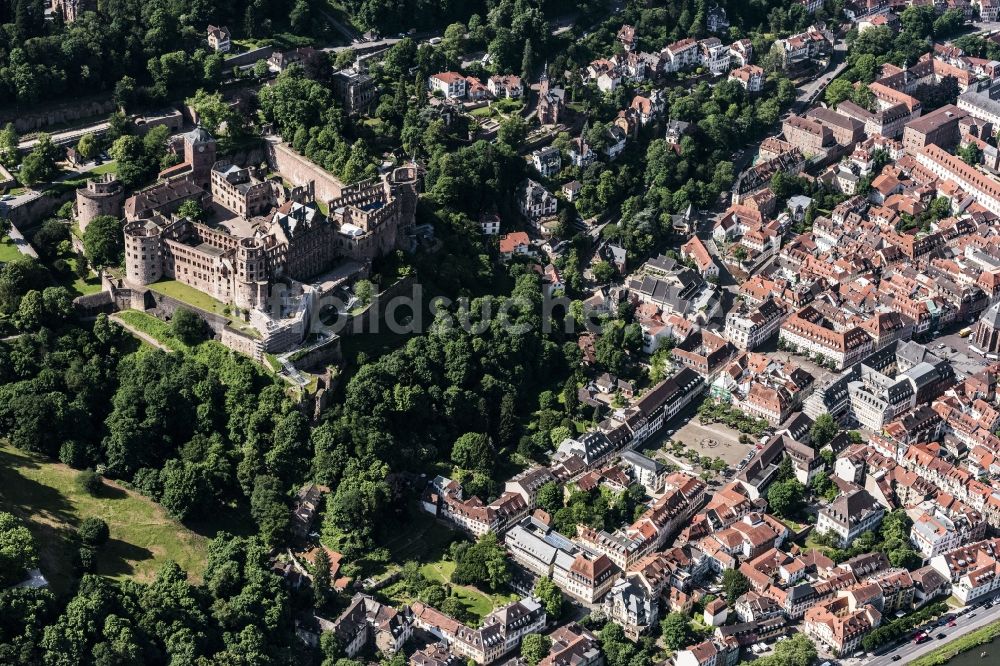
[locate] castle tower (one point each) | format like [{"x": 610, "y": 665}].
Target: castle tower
[
  {"x": 251, "y": 275},
  {"x": 404, "y": 186},
  {"x": 199, "y": 152},
  {"x": 143, "y": 252},
  {"x": 103, "y": 195}
]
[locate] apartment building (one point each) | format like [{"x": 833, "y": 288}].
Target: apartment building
[
  {"x": 850, "y": 515},
  {"x": 450, "y": 84},
  {"x": 751, "y": 77},
  {"x": 805, "y": 331},
  {"x": 749, "y": 326},
  {"x": 580, "y": 573},
  {"x": 983, "y": 188},
  {"x": 499, "y": 634}
]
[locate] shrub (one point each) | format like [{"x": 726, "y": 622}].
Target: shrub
[
  {"x": 93, "y": 532},
  {"x": 89, "y": 482},
  {"x": 74, "y": 453},
  {"x": 188, "y": 327}
]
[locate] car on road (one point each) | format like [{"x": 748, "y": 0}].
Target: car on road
[
  {"x": 896, "y": 657},
  {"x": 972, "y": 615},
  {"x": 7, "y": 197},
  {"x": 952, "y": 623},
  {"x": 941, "y": 635}
]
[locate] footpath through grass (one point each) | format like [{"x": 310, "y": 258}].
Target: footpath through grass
[
  {"x": 476, "y": 602},
  {"x": 143, "y": 537},
  {"x": 155, "y": 328},
  {"x": 946, "y": 652}
]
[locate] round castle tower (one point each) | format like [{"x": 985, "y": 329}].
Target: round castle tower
[
  {"x": 251, "y": 274},
  {"x": 103, "y": 195},
  {"x": 143, "y": 253}
]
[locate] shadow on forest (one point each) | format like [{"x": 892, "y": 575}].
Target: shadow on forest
[{"x": 235, "y": 520}]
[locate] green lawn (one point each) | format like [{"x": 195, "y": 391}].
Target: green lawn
[
  {"x": 67, "y": 277},
  {"x": 143, "y": 536},
  {"x": 793, "y": 525},
  {"x": 153, "y": 327},
  {"x": 426, "y": 540},
  {"x": 107, "y": 167},
  {"x": 476, "y": 602},
  {"x": 193, "y": 297},
  {"x": 83, "y": 287},
  {"x": 8, "y": 251}
]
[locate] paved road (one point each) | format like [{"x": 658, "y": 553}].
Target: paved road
[
  {"x": 910, "y": 651},
  {"x": 68, "y": 136},
  {"x": 810, "y": 92},
  {"x": 32, "y": 194},
  {"x": 22, "y": 244},
  {"x": 365, "y": 46},
  {"x": 987, "y": 27}
]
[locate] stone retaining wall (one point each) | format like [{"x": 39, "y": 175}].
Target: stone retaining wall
[
  {"x": 248, "y": 58},
  {"x": 299, "y": 170},
  {"x": 26, "y": 120}
]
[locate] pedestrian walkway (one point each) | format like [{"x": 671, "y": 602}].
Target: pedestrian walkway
[{"x": 21, "y": 243}]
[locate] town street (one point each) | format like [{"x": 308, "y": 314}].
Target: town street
[{"x": 909, "y": 651}]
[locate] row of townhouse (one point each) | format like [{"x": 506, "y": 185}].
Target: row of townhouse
[
  {"x": 799, "y": 48},
  {"x": 444, "y": 498},
  {"x": 453, "y": 85},
  {"x": 973, "y": 570},
  {"x": 710, "y": 53},
  {"x": 748, "y": 326},
  {"x": 661, "y": 521},
  {"x": 839, "y": 624},
  {"x": 499, "y": 634},
  {"x": 808, "y": 332},
  {"x": 609, "y": 73},
  {"x": 582, "y": 574},
  {"x": 655, "y": 584},
  {"x": 937, "y": 530},
  {"x": 927, "y": 462}
]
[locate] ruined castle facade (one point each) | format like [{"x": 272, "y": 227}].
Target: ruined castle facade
[{"x": 289, "y": 236}]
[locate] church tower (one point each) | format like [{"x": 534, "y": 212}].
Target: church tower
[{"x": 199, "y": 152}]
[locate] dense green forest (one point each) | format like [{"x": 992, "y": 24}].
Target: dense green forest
[{"x": 142, "y": 52}]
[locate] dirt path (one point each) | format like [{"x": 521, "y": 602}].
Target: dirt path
[{"x": 145, "y": 337}]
